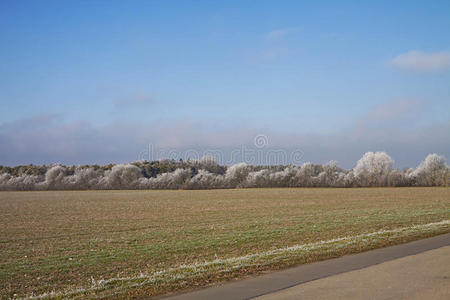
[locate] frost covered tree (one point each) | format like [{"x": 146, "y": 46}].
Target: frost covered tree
[
  {"x": 20, "y": 183},
  {"x": 236, "y": 174},
  {"x": 170, "y": 180},
  {"x": 306, "y": 176},
  {"x": 373, "y": 169},
  {"x": 433, "y": 171},
  {"x": 54, "y": 177},
  {"x": 123, "y": 176},
  {"x": 259, "y": 178},
  {"x": 84, "y": 179},
  {"x": 206, "y": 180},
  {"x": 330, "y": 175}
]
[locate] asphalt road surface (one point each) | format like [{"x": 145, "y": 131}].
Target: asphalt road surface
[
  {"x": 416, "y": 270},
  {"x": 421, "y": 276}
]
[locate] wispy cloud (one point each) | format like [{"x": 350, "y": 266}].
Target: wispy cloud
[
  {"x": 390, "y": 113},
  {"x": 273, "y": 53},
  {"x": 277, "y": 34},
  {"x": 420, "y": 61},
  {"x": 133, "y": 101},
  {"x": 275, "y": 45}
]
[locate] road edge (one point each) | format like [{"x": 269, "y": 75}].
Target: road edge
[{"x": 276, "y": 281}]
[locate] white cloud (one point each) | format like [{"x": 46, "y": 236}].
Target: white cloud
[
  {"x": 277, "y": 34},
  {"x": 273, "y": 53},
  {"x": 392, "y": 113},
  {"x": 420, "y": 61},
  {"x": 133, "y": 101}
]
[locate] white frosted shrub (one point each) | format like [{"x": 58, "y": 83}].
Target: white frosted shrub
[
  {"x": 54, "y": 177},
  {"x": 397, "y": 178},
  {"x": 236, "y": 174},
  {"x": 177, "y": 179},
  {"x": 330, "y": 175},
  {"x": 173, "y": 180},
  {"x": 285, "y": 178},
  {"x": 432, "y": 171},
  {"x": 206, "y": 180},
  {"x": 373, "y": 169},
  {"x": 342, "y": 180},
  {"x": 20, "y": 183},
  {"x": 123, "y": 176},
  {"x": 4, "y": 178},
  {"x": 83, "y": 178},
  {"x": 258, "y": 179},
  {"x": 306, "y": 175}
]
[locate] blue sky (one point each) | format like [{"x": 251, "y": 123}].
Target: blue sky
[{"x": 98, "y": 81}]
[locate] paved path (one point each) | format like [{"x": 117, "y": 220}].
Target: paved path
[
  {"x": 382, "y": 273},
  {"x": 421, "y": 276}
]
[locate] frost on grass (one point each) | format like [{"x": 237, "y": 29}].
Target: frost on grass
[{"x": 196, "y": 270}]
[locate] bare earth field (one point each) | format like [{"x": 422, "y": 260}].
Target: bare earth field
[{"x": 78, "y": 244}]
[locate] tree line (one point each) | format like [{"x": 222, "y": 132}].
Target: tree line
[{"x": 374, "y": 169}]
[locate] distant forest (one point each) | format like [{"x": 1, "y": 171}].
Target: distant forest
[{"x": 372, "y": 170}]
